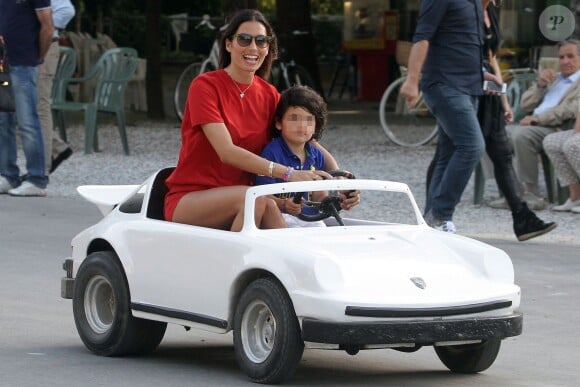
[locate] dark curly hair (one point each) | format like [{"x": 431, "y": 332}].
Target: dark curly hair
[
  {"x": 234, "y": 23},
  {"x": 306, "y": 98}
]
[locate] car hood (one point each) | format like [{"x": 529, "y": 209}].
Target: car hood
[{"x": 402, "y": 265}]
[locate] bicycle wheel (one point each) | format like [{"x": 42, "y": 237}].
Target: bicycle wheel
[
  {"x": 207, "y": 65},
  {"x": 404, "y": 126},
  {"x": 182, "y": 87}
]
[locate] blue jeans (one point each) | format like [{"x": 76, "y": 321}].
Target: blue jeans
[
  {"x": 460, "y": 147},
  {"x": 25, "y": 97}
]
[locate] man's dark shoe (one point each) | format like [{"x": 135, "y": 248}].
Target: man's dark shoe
[
  {"x": 527, "y": 225},
  {"x": 62, "y": 156}
]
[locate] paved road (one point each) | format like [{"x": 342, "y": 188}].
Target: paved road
[{"x": 39, "y": 345}]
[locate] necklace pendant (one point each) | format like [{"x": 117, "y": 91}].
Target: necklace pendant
[{"x": 242, "y": 95}]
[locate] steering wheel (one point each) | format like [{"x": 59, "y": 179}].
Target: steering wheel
[{"x": 329, "y": 206}]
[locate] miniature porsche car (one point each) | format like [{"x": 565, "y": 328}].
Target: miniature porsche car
[{"x": 377, "y": 278}]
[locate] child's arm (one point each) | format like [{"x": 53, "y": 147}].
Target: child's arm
[
  {"x": 330, "y": 161},
  {"x": 317, "y": 196}
]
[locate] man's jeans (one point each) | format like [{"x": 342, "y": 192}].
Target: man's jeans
[
  {"x": 461, "y": 146},
  {"x": 24, "y": 80}
]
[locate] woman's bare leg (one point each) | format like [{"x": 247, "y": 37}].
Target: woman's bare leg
[
  {"x": 223, "y": 208},
  {"x": 268, "y": 214}
]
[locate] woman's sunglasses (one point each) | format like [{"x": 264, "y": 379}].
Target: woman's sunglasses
[{"x": 244, "y": 40}]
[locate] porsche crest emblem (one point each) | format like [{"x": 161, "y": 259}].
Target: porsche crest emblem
[{"x": 419, "y": 282}]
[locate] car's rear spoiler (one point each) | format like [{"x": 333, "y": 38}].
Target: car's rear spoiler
[{"x": 106, "y": 197}]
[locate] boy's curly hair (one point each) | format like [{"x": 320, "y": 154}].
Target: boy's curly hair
[{"x": 306, "y": 98}]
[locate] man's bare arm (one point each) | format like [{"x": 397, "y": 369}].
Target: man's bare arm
[{"x": 410, "y": 88}]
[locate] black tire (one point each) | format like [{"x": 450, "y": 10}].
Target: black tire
[
  {"x": 469, "y": 358},
  {"x": 101, "y": 309},
  {"x": 182, "y": 87},
  {"x": 267, "y": 338},
  {"x": 404, "y": 126}
]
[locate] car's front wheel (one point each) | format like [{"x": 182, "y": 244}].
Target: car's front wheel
[
  {"x": 102, "y": 312},
  {"x": 469, "y": 358},
  {"x": 267, "y": 339}
]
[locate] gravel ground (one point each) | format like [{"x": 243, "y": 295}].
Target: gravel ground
[{"x": 362, "y": 149}]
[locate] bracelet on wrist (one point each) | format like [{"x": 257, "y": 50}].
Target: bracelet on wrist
[
  {"x": 287, "y": 173},
  {"x": 271, "y": 169}
]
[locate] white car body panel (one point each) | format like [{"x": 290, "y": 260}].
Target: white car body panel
[{"x": 195, "y": 269}]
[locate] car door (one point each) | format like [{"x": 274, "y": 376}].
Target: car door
[{"x": 186, "y": 270}]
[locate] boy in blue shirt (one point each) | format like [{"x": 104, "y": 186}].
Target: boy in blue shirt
[{"x": 300, "y": 117}]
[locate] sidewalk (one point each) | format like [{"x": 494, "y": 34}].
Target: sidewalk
[{"x": 353, "y": 136}]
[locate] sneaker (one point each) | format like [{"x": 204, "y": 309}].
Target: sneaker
[
  {"x": 62, "y": 156},
  {"x": 5, "y": 185},
  {"x": 499, "y": 203},
  {"x": 438, "y": 224},
  {"x": 575, "y": 210},
  {"x": 534, "y": 202},
  {"x": 27, "y": 189},
  {"x": 527, "y": 225},
  {"x": 567, "y": 206},
  {"x": 446, "y": 226}
]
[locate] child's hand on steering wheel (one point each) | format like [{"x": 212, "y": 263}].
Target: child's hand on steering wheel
[
  {"x": 291, "y": 207},
  {"x": 349, "y": 199}
]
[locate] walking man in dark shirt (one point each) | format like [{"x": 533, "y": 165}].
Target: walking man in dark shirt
[{"x": 447, "y": 47}]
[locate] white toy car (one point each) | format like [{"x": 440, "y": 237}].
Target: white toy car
[{"x": 369, "y": 283}]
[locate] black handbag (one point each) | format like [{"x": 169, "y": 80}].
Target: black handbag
[{"x": 6, "y": 93}]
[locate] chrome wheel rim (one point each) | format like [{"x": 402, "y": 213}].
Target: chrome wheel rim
[
  {"x": 258, "y": 331},
  {"x": 99, "y": 304}
]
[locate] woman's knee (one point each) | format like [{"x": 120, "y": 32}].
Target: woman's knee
[
  {"x": 268, "y": 214},
  {"x": 571, "y": 147},
  {"x": 266, "y": 205},
  {"x": 550, "y": 144}
]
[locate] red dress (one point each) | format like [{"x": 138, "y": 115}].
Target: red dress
[{"x": 213, "y": 98}]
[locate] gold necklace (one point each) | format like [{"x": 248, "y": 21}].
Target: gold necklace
[{"x": 242, "y": 92}]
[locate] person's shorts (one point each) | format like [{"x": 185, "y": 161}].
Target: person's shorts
[{"x": 293, "y": 221}]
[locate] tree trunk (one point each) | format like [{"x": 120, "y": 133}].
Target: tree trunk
[
  {"x": 294, "y": 16},
  {"x": 153, "y": 54}
]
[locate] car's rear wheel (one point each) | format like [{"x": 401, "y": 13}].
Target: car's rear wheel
[
  {"x": 267, "y": 339},
  {"x": 469, "y": 358},
  {"x": 101, "y": 309}
]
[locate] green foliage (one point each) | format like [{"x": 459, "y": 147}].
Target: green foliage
[
  {"x": 267, "y": 7},
  {"x": 327, "y": 7}
]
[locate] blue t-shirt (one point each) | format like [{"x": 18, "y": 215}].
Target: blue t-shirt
[
  {"x": 454, "y": 29},
  {"x": 20, "y": 27},
  {"x": 279, "y": 152}
]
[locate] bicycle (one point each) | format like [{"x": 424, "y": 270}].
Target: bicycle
[
  {"x": 404, "y": 126},
  {"x": 192, "y": 71},
  {"x": 286, "y": 72}
]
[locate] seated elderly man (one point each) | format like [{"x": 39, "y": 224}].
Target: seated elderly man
[{"x": 552, "y": 101}]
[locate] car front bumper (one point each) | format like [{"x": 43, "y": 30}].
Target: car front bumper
[
  {"x": 67, "y": 283},
  {"x": 421, "y": 332}
]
